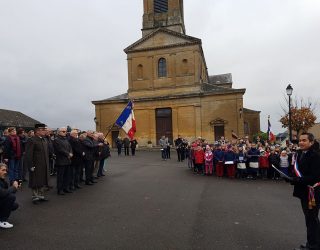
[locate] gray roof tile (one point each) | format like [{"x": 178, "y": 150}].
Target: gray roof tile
[{"x": 10, "y": 118}]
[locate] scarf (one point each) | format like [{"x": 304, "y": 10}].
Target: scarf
[{"x": 15, "y": 140}]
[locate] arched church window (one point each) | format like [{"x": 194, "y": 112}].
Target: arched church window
[
  {"x": 185, "y": 68},
  {"x": 162, "y": 67},
  {"x": 160, "y": 6},
  {"x": 140, "y": 71}
]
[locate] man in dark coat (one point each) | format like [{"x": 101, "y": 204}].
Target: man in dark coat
[
  {"x": 89, "y": 148},
  {"x": 104, "y": 153},
  {"x": 179, "y": 144},
  {"x": 126, "y": 144},
  {"x": 119, "y": 143},
  {"x": 37, "y": 162},
  {"x": 133, "y": 145},
  {"x": 52, "y": 156},
  {"x": 307, "y": 187},
  {"x": 77, "y": 159},
  {"x": 7, "y": 197},
  {"x": 63, "y": 151}
]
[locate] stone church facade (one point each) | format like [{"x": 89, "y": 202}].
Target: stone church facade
[{"x": 172, "y": 91}]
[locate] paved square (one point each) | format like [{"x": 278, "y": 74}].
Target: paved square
[{"x": 146, "y": 203}]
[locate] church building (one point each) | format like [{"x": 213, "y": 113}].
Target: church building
[{"x": 173, "y": 93}]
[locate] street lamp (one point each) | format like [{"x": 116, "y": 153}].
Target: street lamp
[
  {"x": 96, "y": 120},
  {"x": 289, "y": 91}
]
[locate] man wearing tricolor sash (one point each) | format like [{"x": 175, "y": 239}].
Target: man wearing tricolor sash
[{"x": 307, "y": 187}]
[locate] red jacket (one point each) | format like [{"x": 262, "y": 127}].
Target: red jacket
[
  {"x": 199, "y": 156},
  {"x": 263, "y": 161}
]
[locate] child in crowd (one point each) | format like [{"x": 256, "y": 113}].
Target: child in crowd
[
  {"x": 208, "y": 157},
  {"x": 263, "y": 164},
  {"x": 274, "y": 159},
  {"x": 241, "y": 160},
  {"x": 284, "y": 162},
  {"x": 219, "y": 159},
  {"x": 199, "y": 159},
  {"x": 229, "y": 162},
  {"x": 253, "y": 159},
  {"x": 189, "y": 156}
]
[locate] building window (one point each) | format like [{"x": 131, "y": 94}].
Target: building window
[
  {"x": 185, "y": 68},
  {"x": 160, "y": 6},
  {"x": 162, "y": 67},
  {"x": 140, "y": 72}
]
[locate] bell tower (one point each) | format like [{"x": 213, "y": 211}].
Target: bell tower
[{"x": 163, "y": 13}]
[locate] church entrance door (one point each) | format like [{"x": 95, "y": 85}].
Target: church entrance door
[
  {"x": 164, "y": 124},
  {"x": 218, "y": 132}
]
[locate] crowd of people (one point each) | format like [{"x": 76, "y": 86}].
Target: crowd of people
[
  {"x": 240, "y": 158},
  {"x": 75, "y": 157},
  {"x": 126, "y": 143}
]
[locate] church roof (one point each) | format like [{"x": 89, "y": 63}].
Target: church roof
[
  {"x": 221, "y": 79},
  {"x": 117, "y": 98},
  {"x": 250, "y": 111},
  {"x": 216, "y": 88},
  {"x": 10, "y": 118},
  {"x": 183, "y": 41}
]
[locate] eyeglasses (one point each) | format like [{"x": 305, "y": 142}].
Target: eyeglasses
[{"x": 63, "y": 131}]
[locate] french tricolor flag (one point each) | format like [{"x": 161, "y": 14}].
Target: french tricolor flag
[
  {"x": 271, "y": 136},
  {"x": 126, "y": 120}
]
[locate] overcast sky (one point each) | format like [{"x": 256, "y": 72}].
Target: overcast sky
[{"x": 57, "y": 56}]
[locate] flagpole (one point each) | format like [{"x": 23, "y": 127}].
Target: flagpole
[
  {"x": 109, "y": 131},
  {"x": 268, "y": 128}
]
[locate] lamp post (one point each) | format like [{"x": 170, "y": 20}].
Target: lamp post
[
  {"x": 289, "y": 90},
  {"x": 240, "y": 112}
]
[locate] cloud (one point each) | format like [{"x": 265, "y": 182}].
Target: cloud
[{"x": 58, "y": 56}]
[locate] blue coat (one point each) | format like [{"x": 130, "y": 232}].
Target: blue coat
[
  {"x": 229, "y": 156},
  {"x": 253, "y": 155},
  {"x": 218, "y": 155}
]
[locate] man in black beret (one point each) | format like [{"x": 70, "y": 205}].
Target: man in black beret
[{"x": 37, "y": 161}]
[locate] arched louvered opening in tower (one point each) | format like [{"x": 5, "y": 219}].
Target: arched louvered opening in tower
[{"x": 160, "y": 6}]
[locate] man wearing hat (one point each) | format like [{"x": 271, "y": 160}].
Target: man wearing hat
[{"x": 37, "y": 161}]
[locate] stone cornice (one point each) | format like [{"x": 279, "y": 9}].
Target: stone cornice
[
  {"x": 192, "y": 40},
  {"x": 172, "y": 97},
  {"x": 164, "y": 47}
]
